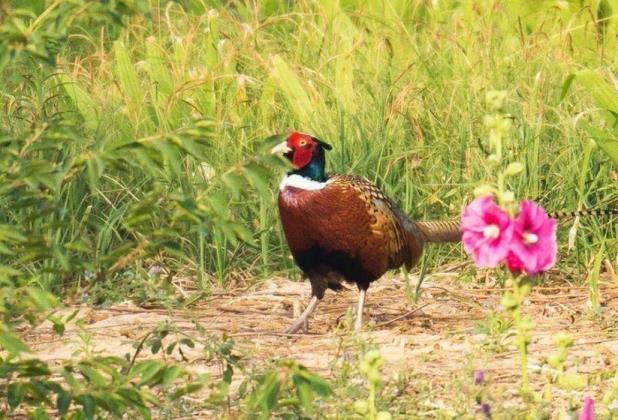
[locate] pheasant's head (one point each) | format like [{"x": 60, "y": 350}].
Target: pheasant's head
[
  {"x": 302, "y": 149},
  {"x": 306, "y": 153}
]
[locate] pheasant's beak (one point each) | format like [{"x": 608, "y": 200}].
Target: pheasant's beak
[{"x": 281, "y": 149}]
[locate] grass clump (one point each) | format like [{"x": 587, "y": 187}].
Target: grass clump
[{"x": 398, "y": 88}]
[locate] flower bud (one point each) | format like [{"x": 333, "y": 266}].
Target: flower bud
[
  {"x": 384, "y": 415},
  {"x": 483, "y": 190},
  {"x": 555, "y": 360},
  {"x": 495, "y": 99},
  {"x": 513, "y": 169},
  {"x": 479, "y": 377},
  {"x": 508, "y": 197},
  {"x": 509, "y": 301},
  {"x": 489, "y": 121},
  {"x": 361, "y": 406},
  {"x": 372, "y": 357},
  {"x": 563, "y": 339}
]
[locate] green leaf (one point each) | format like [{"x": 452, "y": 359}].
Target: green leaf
[
  {"x": 243, "y": 233},
  {"x": 42, "y": 299},
  {"x": 219, "y": 203},
  {"x": 6, "y": 271},
  {"x": 185, "y": 390},
  {"x": 15, "y": 394},
  {"x": 58, "y": 324},
  {"x": 89, "y": 405},
  {"x": 127, "y": 76},
  {"x": 149, "y": 371},
  {"x": 70, "y": 378},
  {"x": 258, "y": 177},
  {"x": 265, "y": 395},
  {"x": 132, "y": 396},
  {"x": 38, "y": 414},
  {"x": 63, "y": 402},
  {"x": 607, "y": 142},
  {"x": 92, "y": 375},
  {"x": 9, "y": 233},
  {"x": 12, "y": 343},
  {"x": 293, "y": 91},
  {"x": 187, "y": 342},
  {"x": 81, "y": 99},
  {"x": 155, "y": 346},
  {"x": 234, "y": 183},
  {"x": 171, "y": 374},
  {"x": 303, "y": 392},
  {"x": 33, "y": 367},
  {"x": 318, "y": 384},
  {"x": 568, "y": 82},
  {"x": 604, "y": 94}
]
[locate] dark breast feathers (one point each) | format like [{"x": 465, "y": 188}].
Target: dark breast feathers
[{"x": 347, "y": 229}]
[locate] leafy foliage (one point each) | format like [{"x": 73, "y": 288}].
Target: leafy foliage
[
  {"x": 68, "y": 217},
  {"x": 289, "y": 385},
  {"x": 37, "y": 29},
  {"x": 606, "y": 98}
]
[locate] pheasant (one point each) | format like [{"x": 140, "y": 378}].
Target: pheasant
[{"x": 343, "y": 228}]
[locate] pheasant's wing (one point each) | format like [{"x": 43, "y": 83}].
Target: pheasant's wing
[{"x": 360, "y": 220}]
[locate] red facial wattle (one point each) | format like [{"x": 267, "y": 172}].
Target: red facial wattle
[
  {"x": 302, "y": 157},
  {"x": 303, "y": 147}
]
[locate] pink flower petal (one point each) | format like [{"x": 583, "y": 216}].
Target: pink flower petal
[
  {"x": 587, "y": 411},
  {"x": 480, "y": 220},
  {"x": 513, "y": 263},
  {"x": 534, "y": 247}
]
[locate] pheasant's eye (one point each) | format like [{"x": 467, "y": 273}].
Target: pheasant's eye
[{"x": 302, "y": 143}]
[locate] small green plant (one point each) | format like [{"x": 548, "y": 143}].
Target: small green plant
[
  {"x": 566, "y": 379},
  {"x": 288, "y": 388},
  {"x": 370, "y": 367},
  {"x": 497, "y": 328},
  {"x": 92, "y": 383}
]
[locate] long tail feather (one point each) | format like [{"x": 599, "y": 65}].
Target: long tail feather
[
  {"x": 440, "y": 230},
  {"x": 579, "y": 213}
]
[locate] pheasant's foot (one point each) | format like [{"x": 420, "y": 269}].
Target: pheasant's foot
[{"x": 303, "y": 320}]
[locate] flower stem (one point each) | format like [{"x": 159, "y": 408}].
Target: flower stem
[
  {"x": 372, "y": 402},
  {"x": 523, "y": 353},
  {"x": 523, "y": 328}
]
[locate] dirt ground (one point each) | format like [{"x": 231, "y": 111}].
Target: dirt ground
[{"x": 437, "y": 339}]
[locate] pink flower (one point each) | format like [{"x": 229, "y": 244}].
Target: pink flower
[
  {"x": 587, "y": 412},
  {"x": 533, "y": 248},
  {"x": 487, "y": 232}
]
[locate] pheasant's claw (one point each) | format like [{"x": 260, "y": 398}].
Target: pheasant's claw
[
  {"x": 292, "y": 329},
  {"x": 303, "y": 320}
]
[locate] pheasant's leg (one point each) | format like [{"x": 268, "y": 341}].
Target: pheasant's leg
[
  {"x": 358, "y": 325},
  {"x": 303, "y": 320}
]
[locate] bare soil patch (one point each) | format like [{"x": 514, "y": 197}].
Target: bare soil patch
[{"x": 437, "y": 340}]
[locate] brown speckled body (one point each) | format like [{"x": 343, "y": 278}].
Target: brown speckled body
[{"x": 347, "y": 230}]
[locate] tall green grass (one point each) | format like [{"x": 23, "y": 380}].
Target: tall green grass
[{"x": 396, "y": 86}]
